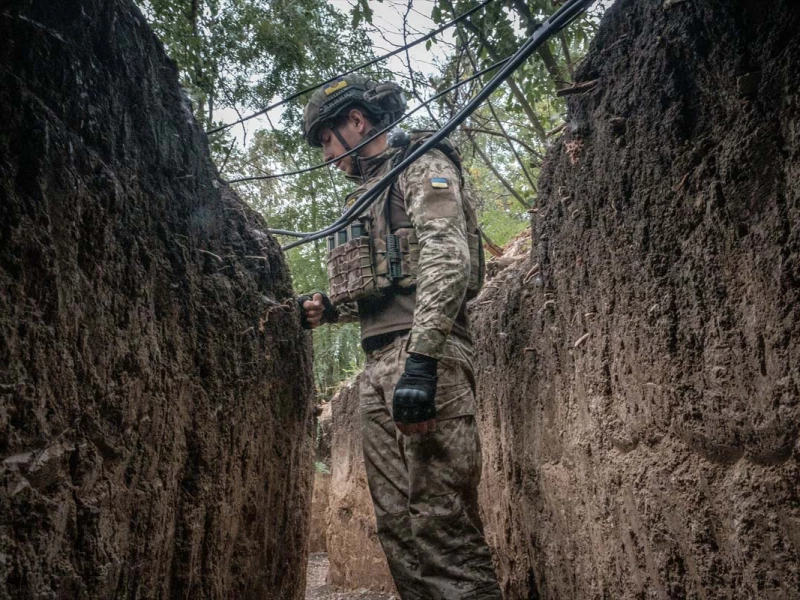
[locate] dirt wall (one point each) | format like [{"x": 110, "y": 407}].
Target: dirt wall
[
  {"x": 318, "y": 535},
  {"x": 155, "y": 425},
  {"x": 355, "y": 554},
  {"x": 639, "y": 376}
]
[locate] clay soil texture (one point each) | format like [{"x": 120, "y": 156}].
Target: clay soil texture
[
  {"x": 317, "y": 587},
  {"x": 639, "y": 374},
  {"x": 155, "y": 409},
  {"x": 355, "y": 554}
]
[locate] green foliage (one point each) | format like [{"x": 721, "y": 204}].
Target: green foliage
[
  {"x": 305, "y": 202},
  {"x": 337, "y": 356},
  {"x": 527, "y": 104},
  {"x": 245, "y": 54},
  {"x": 361, "y": 12}
]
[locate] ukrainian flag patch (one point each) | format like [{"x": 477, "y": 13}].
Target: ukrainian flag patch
[
  {"x": 335, "y": 87},
  {"x": 439, "y": 182}
]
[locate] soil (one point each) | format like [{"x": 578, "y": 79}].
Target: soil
[
  {"x": 355, "y": 554},
  {"x": 317, "y": 587},
  {"x": 639, "y": 373},
  {"x": 155, "y": 394},
  {"x": 318, "y": 533}
]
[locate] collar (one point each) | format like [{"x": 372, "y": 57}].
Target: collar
[{"x": 369, "y": 167}]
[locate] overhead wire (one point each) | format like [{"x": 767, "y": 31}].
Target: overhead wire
[
  {"x": 366, "y": 141},
  {"x": 568, "y": 12},
  {"x": 369, "y": 63},
  {"x": 560, "y": 19},
  {"x": 521, "y": 162}
]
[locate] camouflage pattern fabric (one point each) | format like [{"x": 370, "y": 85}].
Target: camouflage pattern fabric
[
  {"x": 443, "y": 272},
  {"x": 346, "y": 313},
  {"x": 350, "y": 272},
  {"x": 424, "y": 488}
]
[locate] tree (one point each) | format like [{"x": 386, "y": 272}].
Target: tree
[
  {"x": 305, "y": 202},
  {"x": 242, "y": 53}
]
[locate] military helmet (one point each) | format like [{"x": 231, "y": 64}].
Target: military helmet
[{"x": 383, "y": 102}]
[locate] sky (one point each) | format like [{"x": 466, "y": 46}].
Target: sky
[{"x": 386, "y": 35}]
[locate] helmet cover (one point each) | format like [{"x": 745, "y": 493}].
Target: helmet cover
[{"x": 383, "y": 102}]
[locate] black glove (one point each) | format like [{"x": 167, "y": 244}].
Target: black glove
[
  {"x": 415, "y": 391},
  {"x": 329, "y": 314}
]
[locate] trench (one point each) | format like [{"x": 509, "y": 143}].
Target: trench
[
  {"x": 637, "y": 377},
  {"x": 636, "y": 357}
]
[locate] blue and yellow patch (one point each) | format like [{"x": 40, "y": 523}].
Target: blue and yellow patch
[
  {"x": 439, "y": 182},
  {"x": 335, "y": 87}
]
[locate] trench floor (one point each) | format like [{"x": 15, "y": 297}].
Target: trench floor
[{"x": 317, "y": 589}]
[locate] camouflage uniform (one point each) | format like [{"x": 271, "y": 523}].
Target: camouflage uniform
[{"x": 424, "y": 487}]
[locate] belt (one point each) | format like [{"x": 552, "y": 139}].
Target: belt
[{"x": 376, "y": 342}]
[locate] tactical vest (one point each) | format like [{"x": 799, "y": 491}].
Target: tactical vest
[{"x": 373, "y": 254}]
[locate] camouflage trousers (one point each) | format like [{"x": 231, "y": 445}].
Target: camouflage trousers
[{"x": 424, "y": 488}]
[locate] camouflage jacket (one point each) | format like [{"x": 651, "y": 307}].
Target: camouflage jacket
[{"x": 431, "y": 189}]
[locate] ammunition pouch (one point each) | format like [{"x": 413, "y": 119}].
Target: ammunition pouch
[
  {"x": 363, "y": 263},
  {"x": 396, "y": 259},
  {"x": 351, "y": 275},
  {"x": 362, "y": 267}
]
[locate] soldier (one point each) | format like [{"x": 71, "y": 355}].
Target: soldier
[{"x": 420, "y": 441}]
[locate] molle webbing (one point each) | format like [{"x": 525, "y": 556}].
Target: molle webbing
[{"x": 371, "y": 255}]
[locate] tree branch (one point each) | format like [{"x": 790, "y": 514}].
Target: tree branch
[
  {"x": 497, "y": 118},
  {"x": 512, "y": 84},
  {"x": 567, "y": 56},
  {"x": 498, "y": 174},
  {"x": 544, "y": 52},
  {"x": 525, "y": 145},
  {"x": 411, "y": 71}
]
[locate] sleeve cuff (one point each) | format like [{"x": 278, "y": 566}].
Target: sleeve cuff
[{"x": 430, "y": 343}]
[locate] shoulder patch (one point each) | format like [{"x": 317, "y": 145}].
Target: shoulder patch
[{"x": 439, "y": 182}]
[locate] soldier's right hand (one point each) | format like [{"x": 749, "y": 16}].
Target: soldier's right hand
[
  {"x": 313, "y": 309},
  {"x": 414, "y": 401}
]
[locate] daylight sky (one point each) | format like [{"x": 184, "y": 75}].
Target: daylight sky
[{"x": 386, "y": 34}]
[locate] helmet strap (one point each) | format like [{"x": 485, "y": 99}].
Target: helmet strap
[
  {"x": 349, "y": 150},
  {"x": 342, "y": 141},
  {"x": 371, "y": 133}
]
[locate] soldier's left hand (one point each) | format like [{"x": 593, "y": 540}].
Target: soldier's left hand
[
  {"x": 414, "y": 405},
  {"x": 315, "y": 309}
]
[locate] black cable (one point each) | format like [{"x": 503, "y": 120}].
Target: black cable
[
  {"x": 560, "y": 19},
  {"x": 563, "y": 17},
  {"x": 377, "y": 135},
  {"x": 424, "y": 38}
]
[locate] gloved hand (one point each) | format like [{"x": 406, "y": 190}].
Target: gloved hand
[
  {"x": 413, "y": 405},
  {"x": 315, "y": 310}
]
